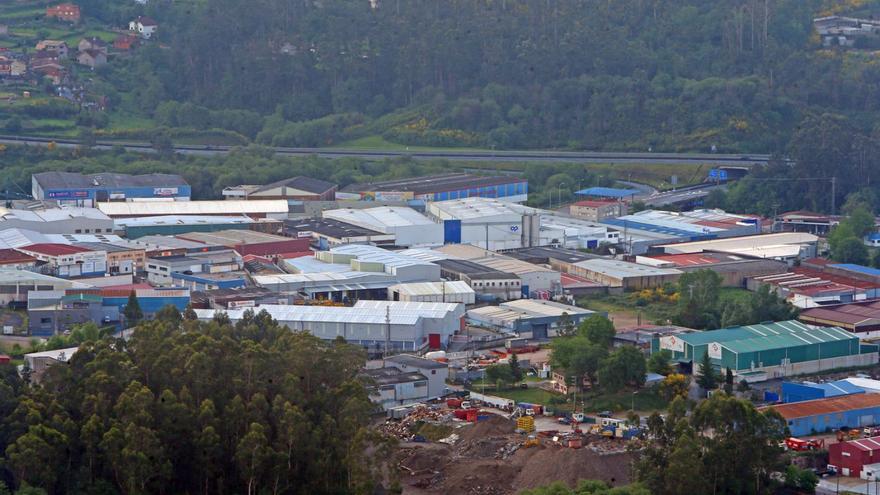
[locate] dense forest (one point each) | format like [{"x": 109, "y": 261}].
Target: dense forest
[
  {"x": 584, "y": 74},
  {"x": 189, "y": 407}
]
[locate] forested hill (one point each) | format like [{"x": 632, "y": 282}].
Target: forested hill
[{"x": 593, "y": 74}]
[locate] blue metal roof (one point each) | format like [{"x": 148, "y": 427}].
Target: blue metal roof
[
  {"x": 840, "y": 387},
  {"x": 608, "y": 192},
  {"x": 660, "y": 229},
  {"x": 874, "y": 237},
  {"x": 867, "y": 270}
]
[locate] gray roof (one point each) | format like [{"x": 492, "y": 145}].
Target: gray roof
[
  {"x": 309, "y": 184},
  {"x": 415, "y": 361},
  {"x": 103, "y": 246},
  {"x": 389, "y": 376},
  {"x": 72, "y": 180},
  {"x": 328, "y": 226}
]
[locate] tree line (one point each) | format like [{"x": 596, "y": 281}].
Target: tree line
[
  {"x": 674, "y": 75},
  {"x": 190, "y": 407}
]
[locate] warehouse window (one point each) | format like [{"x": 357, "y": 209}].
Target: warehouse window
[{"x": 78, "y": 231}]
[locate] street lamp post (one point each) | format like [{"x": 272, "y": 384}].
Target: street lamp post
[{"x": 559, "y": 194}]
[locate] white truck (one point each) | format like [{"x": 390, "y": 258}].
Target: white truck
[{"x": 491, "y": 400}]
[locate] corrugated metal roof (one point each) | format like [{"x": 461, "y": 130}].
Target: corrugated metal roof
[
  {"x": 155, "y": 208},
  {"x": 826, "y": 406},
  {"x": 810, "y": 337},
  {"x": 745, "y": 332},
  {"x": 616, "y": 268},
  {"x": 456, "y": 287},
  {"x": 380, "y": 218}
]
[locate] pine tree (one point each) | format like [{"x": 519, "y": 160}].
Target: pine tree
[
  {"x": 132, "y": 312},
  {"x": 728, "y": 382},
  {"x": 515, "y": 370},
  {"x": 707, "y": 379}
]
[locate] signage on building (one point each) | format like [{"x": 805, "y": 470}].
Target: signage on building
[
  {"x": 165, "y": 191},
  {"x": 672, "y": 343},
  {"x": 240, "y": 304},
  {"x": 304, "y": 233},
  {"x": 117, "y": 195},
  {"x": 67, "y": 194},
  {"x": 715, "y": 350}
]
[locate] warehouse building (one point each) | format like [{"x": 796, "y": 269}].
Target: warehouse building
[
  {"x": 857, "y": 458},
  {"x": 293, "y": 189},
  {"x": 787, "y": 246},
  {"x": 120, "y": 259},
  {"x": 349, "y": 272},
  {"x": 772, "y": 350},
  {"x": 539, "y": 319},
  {"x": 194, "y": 269},
  {"x": 325, "y": 233},
  {"x": 597, "y": 210},
  {"x": 628, "y": 276},
  {"x": 647, "y": 228},
  {"x": 394, "y": 388},
  {"x": 16, "y": 284},
  {"x": 487, "y": 283},
  {"x": 265, "y": 208},
  {"x": 441, "y": 188},
  {"x": 821, "y": 415},
  {"x": 862, "y": 318},
  {"x": 11, "y": 259},
  {"x": 435, "y": 372},
  {"x": 249, "y": 242},
  {"x": 409, "y": 227},
  {"x": 407, "y": 326},
  {"x": 447, "y": 292},
  {"x": 69, "y": 188},
  {"x": 69, "y": 220},
  {"x": 801, "y": 391},
  {"x": 536, "y": 281},
  {"x": 735, "y": 270},
  {"x": 136, "y": 227},
  {"x": 68, "y": 261},
  {"x": 479, "y": 221},
  {"x": 808, "y": 288},
  {"x": 574, "y": 233}
]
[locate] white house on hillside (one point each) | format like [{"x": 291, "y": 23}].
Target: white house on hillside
[{"x": 144, "y": 26}]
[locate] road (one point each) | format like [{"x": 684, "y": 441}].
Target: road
[
  {"x": 680, "y": 196},
  {"x": 511, "y": 156}
]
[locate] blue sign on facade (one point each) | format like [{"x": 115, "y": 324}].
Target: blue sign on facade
[{"x": 452, "y": 231}]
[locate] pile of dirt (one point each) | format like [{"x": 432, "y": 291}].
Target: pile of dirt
[
  {"x": 546, "y": 465},
  {"x": 495, "y": 426},
  {"x": 481, "y": 477},
  {"x": 422, "y": 459}
]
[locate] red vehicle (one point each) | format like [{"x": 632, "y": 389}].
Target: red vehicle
[
  {"x": 798, "y": 445},
  {"x": 453, "y": 403}
]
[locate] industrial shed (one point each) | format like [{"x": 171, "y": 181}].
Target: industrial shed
[
  {"x": 856, "y": 458},
  {"x": 860, "y": 317},
  {"x": 539, "y": 317},
  {"x": 408, "y": 326},
  {"x": 448, "y": 292},
  {"x": 772, "y": 350},
  {"x": 614, "y": 273},
  {"x": 817, "y": 416}
]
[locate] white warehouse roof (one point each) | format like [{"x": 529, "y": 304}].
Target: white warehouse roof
[
  {"x": 540, "y": 307},
  {"x": 478, "y": 210},
  {"x": 382, "y": 217},
  {"x": 155, "y": 208},
  {"x": 457, "y": 287},
  {"x": 623, "y": 269}
]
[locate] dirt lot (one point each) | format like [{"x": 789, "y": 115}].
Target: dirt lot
[{"x": 488, "y": 459}]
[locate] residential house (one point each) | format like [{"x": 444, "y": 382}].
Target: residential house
[
  {"x": 53, "y": 73},
  {"x": 124, "y": 42},
  {"x": 4, "y": 29},
  {"x": 18, "y": 68},
  {"x": 59, "y": 47},
  {"x": 5, "y": 66},
  {"x": 97, "y": 44},
  {"x": 597, "y": 210},
  {"x": 92, "y": 58},
  {"x": 144, "y": 26},
  {"x": 45, "y": 58},
  {"x": 67, "y": 12}
]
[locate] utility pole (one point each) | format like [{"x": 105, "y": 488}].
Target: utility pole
[
  {"x": 387, "y": 332},
  {"x": 487, "y": 236},
  {"x": 833, "y": 195}
]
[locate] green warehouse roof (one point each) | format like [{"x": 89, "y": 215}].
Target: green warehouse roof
[
  {"x": 751, "y": 332},
  {"x": 808, "y": 336}
]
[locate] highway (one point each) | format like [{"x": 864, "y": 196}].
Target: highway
[
  {"x": 501, "y": 156},
  {"x": 682, "y": 195}
]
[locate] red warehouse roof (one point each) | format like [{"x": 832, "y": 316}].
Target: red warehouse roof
[
  {"x": 827, "y": 406},
  {"x": 54, "y": 249}
]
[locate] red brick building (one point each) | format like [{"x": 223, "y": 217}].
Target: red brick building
[
  {"x": 851, "y": 457},
  {"x": 64, "y": 11}
]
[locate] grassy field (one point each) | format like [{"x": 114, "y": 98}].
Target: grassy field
[{"x": 646, "y": 400}]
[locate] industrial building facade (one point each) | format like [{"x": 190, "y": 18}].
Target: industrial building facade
[
  {"x": 818, "y": 416},
  {"x": 87, "y": 190},
  {"x": 441, "y": 188},
  {"x": 772, "y": 350}
]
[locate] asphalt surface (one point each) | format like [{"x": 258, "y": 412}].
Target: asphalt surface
[
  {"x": 680, "y": 196},
  {"x": 512, "y": 156}
]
